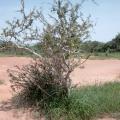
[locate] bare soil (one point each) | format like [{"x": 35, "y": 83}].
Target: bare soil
[
  {"x": 93, "y": 72},
  {"x": 106, "y": 118},
  {"x": 96, "y": 72}
]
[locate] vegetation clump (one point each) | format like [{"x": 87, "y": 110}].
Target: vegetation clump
[{"x": 47, "y": 79}]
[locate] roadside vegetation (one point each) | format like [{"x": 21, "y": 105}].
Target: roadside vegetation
[
  {"x": 96, "y": 50},
  {"x": 101, "y": 50},
  {"x": 8, "y": 48},
  {"x": 103, "y": 56},
  {"x": 88, "y": 102}
]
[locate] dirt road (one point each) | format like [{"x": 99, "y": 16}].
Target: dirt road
[{"x": 94, "y": 72}]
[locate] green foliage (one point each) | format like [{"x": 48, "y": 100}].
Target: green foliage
[
  {"x": 86, "y": 103},
  {"x": 92, "y": 46},
  {"x": 102, "y": 55},
  {"x": 95, "y": 46},
  {"x": 114, "y": 44},
  {"x": 8, "y": 48}
]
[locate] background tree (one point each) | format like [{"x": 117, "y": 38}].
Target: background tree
[
  {"x": 114, "y": 44},
  {"x": 92, "y": 46}
]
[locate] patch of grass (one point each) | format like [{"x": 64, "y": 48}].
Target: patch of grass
[
  {"x": 114, "y": 55},
  {"x": 5, "y": 54},
  {"x": 86, "y": 103}
]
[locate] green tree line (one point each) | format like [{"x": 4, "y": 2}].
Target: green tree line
[{"x": 96, "y": 46}]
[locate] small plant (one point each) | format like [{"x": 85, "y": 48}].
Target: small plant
[
  {"x": 1, "y": 82},
  {"x": 107, "y": 52}
]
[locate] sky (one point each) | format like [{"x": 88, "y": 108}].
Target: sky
[{"x": 104, "y": 14}]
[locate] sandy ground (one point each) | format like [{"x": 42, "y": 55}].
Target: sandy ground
[
  {"x": 94, "y": 72},
  {"x": 106, "y": 118}
]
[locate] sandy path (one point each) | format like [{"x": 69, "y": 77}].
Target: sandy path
[
  {"x": 5, "y": 90},
  {"x": 5, "y": 64},
  {"x": 95, "y": 71}
]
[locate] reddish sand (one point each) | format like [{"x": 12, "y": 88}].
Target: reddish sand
[
  {"x": 95, "y": 72},
  {"x": 106, "y": 118}
]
